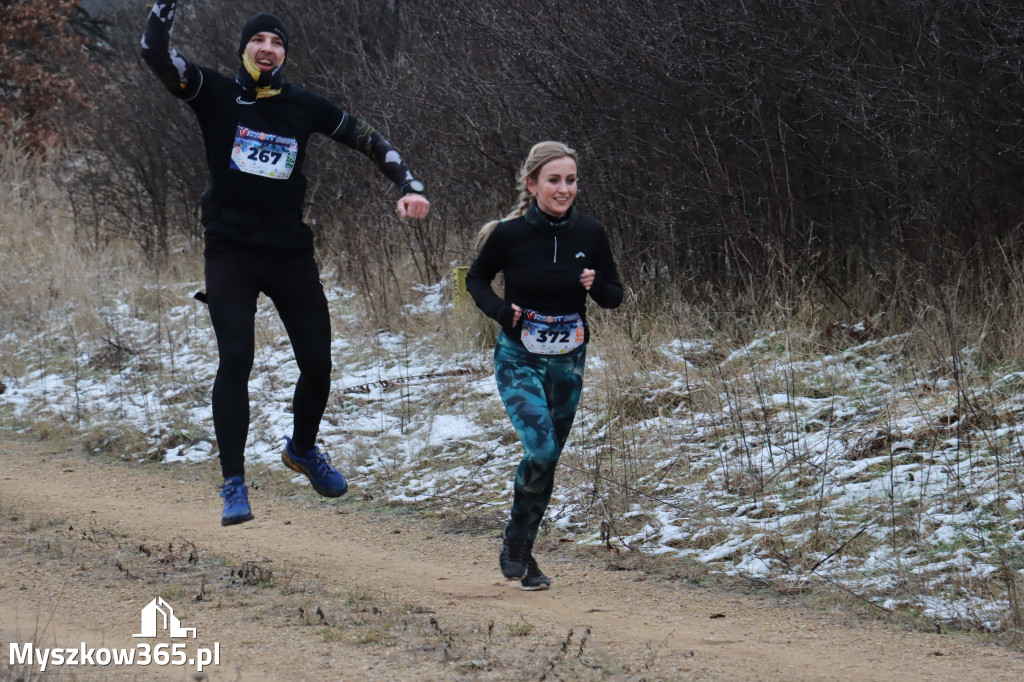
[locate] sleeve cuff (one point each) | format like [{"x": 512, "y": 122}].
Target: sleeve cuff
[{"x": 413, "y": 187}]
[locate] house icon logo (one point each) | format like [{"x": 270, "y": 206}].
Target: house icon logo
[{"x": 158, "y": 615}]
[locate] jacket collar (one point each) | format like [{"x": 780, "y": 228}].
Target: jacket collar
[{"x": 541, "y": 220}]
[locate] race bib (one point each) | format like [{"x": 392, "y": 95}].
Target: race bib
[
  {"x": 264, "y": 154},
  {"x": 552, "y": 334}
]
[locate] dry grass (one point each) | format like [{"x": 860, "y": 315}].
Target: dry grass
[
  {"x": 702, "y": 408},
  {"x": 892, "y": 391}
]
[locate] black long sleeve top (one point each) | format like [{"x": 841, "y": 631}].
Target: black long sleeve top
[
  {"x": 542, "y": 260},
  {"x": 255, "y": 150}
]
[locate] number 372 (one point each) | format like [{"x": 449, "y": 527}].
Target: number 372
[{"x": 553, "y": 336}]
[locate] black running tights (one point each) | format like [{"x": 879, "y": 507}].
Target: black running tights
[{"x": 235, "y": 275}]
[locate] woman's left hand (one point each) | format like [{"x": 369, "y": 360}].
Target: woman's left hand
[
  {"x": 587, "y": 278},
  {"x": 413, "y": 206}
]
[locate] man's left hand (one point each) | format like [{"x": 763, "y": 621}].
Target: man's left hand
[{"x": 413, "y": 206}]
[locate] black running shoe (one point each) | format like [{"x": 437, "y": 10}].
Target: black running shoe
[
  {"x": 534, "y": 578},
  {"x": 513, "y": 557}
]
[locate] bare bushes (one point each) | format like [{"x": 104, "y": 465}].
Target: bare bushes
[
  {"x": 64, "y": 302},
  {"x": 44, "y": 270},
  {"x": 825, "y": 157},
  {"x": 39, "y": 55}
]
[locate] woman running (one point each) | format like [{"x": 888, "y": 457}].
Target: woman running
[{"x": 552, "y": 259}]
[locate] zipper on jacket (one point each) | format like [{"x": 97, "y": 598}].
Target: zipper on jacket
[{"x": 554, "y": 257}]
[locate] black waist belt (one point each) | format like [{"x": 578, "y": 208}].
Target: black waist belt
[{"x": 214, "y": 211}]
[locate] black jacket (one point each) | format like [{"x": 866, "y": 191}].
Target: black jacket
[
  {"x": 542, "y": 260},
  {"x": 255, "y": 149}
]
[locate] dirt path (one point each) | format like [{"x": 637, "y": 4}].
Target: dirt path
[{"x": 84, "y": 545}]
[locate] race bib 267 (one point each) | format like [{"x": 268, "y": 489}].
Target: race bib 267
[{"x": 264, "y": 154}]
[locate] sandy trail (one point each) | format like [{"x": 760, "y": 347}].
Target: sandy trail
[{"x": 633, "y": 628}]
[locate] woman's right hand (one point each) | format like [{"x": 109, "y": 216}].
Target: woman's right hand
[{"x": 517, "y": 314}]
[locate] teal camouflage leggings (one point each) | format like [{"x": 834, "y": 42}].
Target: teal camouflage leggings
[{"x": 540, "y": 393}]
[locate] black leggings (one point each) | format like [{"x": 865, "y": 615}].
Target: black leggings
[{"x": 236, "y": 273}]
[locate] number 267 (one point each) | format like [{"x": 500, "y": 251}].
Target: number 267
[{"x": 263, "y": 156}]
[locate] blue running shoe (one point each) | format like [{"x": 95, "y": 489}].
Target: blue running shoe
[
  {"x": 236, "y": 502},
  {"x": 316, "y": 465}
]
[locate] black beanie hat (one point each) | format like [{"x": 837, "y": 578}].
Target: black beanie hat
[{"x": 260, "y": 23}]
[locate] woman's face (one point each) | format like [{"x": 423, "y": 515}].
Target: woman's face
[
  {"x": 265, "y": 50},
  {"x": 555, "y": 186}
]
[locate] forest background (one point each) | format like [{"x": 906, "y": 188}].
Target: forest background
[{"x": 840, "y": 174}]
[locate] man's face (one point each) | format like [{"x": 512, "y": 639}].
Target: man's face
[{"x": 265, "y": 50}]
